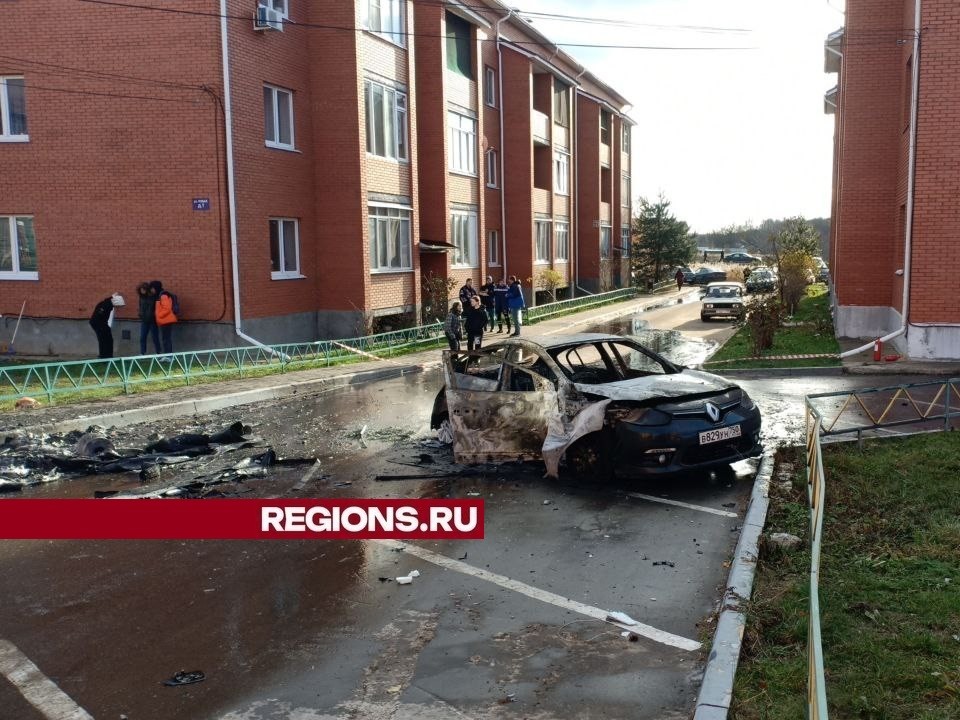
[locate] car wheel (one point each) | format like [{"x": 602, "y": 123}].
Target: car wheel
[
  {"x": 703, "y": 318},
  {"x": 590, "y": 456}
]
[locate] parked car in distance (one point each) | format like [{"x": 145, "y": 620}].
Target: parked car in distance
[
  {"x": 608, "y": 404},
  {"x": 761, "y": 279},
  {"x": 706, "y": 275},
  {"x": 823, "y": 272},
  {"x": 723, "y": 300},
  {"x": 739, "y": 257}
]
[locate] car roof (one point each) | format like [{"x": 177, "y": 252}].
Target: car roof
[
  {"x": 553, "y": 341},
  {"x": 725, "y": 283}
]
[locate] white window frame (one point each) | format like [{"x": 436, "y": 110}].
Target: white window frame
[
  {"x": 561, "y": 172},
  {"x": 463, "y": 234},
  {"x": 625, "y": 183},
  {"x": 385, "y": 216},
  {"x": 561, "y": 243},
  {"x": 279, "y": 5},
  {"x": 491, "y": 168},
  {"x": 625, "y": 139},
  {"x": 393, "y": 120},
  {"x": 16, "y": 273},
  {"x": 463, "y": 143},
  {"x": 5, "y": 123},
  {"x": 490, "y": 86},
  {"x": 625, "y": 238},
  {"x": 275, "y": 142},
  {"x": 283, "y": 274},
  {"x": 541, "y": 234},
  {"x": 493, "y": 248},
  {"x": 394, "y": 11},
  {"x": 606, "y": 242}
]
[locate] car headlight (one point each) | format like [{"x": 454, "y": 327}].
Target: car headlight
[
  {"x": 709, "y": 306},
  {"x": 638, "y": 416},
  {"x": 746, "y": 402}
]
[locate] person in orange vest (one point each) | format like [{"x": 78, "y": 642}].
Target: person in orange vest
[{"x": 164, "y": 315}]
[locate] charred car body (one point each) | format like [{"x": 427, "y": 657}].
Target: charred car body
[{"x": 607, "y": 403}]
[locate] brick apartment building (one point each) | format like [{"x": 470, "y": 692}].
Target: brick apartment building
[
  {"x": 896, "y": 185},
  {"x": 293, "y": 168}
]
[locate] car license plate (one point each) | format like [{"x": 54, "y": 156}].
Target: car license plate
[
  {"x": 725, "y": 433},
  {"x": 723, "y": 312}
]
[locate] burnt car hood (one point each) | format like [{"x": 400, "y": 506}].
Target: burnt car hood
[{"x": 688, "y": 382}]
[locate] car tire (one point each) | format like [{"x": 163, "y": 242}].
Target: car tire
[
  {"x": 703, "y": 318},
  {"x": 590, "y": 457}
]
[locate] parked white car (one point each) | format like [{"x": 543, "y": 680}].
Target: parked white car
[{"x": 724, "y": 300}]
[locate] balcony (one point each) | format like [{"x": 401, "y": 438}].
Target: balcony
[
  {"x": 830, "y": 98},
  {"x": 604, "y": 155},
  {"x": 832, "y": 51},
  {"x": 540, "y": 127}
]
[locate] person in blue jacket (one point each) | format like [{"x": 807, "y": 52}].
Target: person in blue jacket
[
  {"x": 500, "y": 304},
  {"x": 515, "y": 303}
]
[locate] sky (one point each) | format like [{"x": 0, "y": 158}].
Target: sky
[{"x": 727, "y": 136}]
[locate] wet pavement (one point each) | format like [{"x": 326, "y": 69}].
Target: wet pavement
[{"x": 307, "y": 629}]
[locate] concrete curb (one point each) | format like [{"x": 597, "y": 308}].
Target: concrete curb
[
  {"x": 835, "y": 370},
  {"x": 716, "y": 691},
  {"x": 194, "y": 406}
]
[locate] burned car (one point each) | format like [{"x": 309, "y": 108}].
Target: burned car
[{"x": 607, "y": 403}]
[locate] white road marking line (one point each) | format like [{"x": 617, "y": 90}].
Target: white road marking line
[
  {"x": 38, "y": 690},
  {"x": 646, "y": 631},
  {"x": 688, "y": 506}
]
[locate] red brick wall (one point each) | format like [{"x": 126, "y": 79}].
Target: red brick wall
[
  {"x": 110, "y": 180},
  {"x": 518, "y": 164},
  {"x": 588, "y": 189}
]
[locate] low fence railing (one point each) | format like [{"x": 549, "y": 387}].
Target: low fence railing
[
  {"x": 49, "y": 380},
  {"x": 876, "y": 412}
]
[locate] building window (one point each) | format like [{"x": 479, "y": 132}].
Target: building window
[
  {"x": 13, "y": 110},
  {"x": 605, "y": 121},
  {"x": 463, "y": 144},
  {"x": 490, "y": 86},
  {"x": 18, "y": 249},
  {"x": 459, "y": 57},
  {"x": 542, "y": 228},
  {"x": 279, "y": 5},
  {"x": 385, "y": 18},
  {"x": 278, "y": 117},
  {"x": 491, "y": 168},
  {"x": 561, "y": 104},
  {"x": 493, "y": 247},
  {"x": 463, "y": 232},
  {"x": 625, "y": 137},
  {"x": 284, "y": 248},
  {"x": 561, "y": 173},
  {"x": 386, "y": 121},
  {"x": 625, "y": 190},
  {"x": 563, "y": 241},
  {"x": 389, "y": 238},
  {"x": 605, "y": 248},
  {"x": 625, "y": 241}
]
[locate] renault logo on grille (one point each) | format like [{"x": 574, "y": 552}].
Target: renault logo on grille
[{"x": 713, "y": 412}]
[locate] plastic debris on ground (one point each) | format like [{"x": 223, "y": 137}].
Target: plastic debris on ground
[
  {"x": 185, "y": 678},
  {"x": 620, "y": 617}
]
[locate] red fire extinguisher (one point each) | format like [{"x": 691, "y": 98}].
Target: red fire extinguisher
[{"x": 877, "y": 349}]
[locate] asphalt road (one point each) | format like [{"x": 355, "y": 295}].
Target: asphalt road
[{"x": 308, "y": 630}]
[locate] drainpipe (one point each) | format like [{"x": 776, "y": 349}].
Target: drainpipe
[
  {"x": 231, "y": 189},
  {"x": 503, "y": 150},
  {"x": 911, "y": 173}
]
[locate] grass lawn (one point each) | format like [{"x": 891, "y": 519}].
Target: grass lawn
[
  {"x": 812, "y": 334},
  {"x": 889, "y": 588}
]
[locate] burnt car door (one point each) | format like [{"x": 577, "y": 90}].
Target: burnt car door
[{"x": 504, "y": 417}]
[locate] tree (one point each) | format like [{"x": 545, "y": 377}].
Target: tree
[
  {"x": 436, "y": 291},
  {"x": 662, "y": 241},
  {"x": 794, "y": 248},
  {"x": 549, "y": 279}
]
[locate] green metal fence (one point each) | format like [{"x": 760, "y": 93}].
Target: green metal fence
[{"x": 50, "y": 380}]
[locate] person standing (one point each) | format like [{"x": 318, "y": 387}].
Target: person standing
[
  {"x": 515, "y": 304},
  {"x": 500, "y": 304},
  {"x": 148, "y": 320},
  {"x": 452, "y": 327},
  {"x": 475, "y": 320},
  {"x": 164, "y": 314},
  {"x": 467, "y": 292},
  {"x": 101, "y": 321},
  {"x": 487, "y": 298},
  {"x": 679, "y": 278}
]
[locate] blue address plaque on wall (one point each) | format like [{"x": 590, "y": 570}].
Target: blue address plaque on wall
[{"x": 201, "y": 203}]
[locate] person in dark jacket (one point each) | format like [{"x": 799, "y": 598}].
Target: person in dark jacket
[
  {"x": 101, "y": 320},
  {"x": 487, "y": 298},
  {"x": 466, "y": 292},
  {"x": 475, "y": 320},
  {"x": 500, "y": 304},
  {"x": 453, "y": 328},
  {"x": 515, "y": 303},
  {"x": 148, "y": 322}
]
